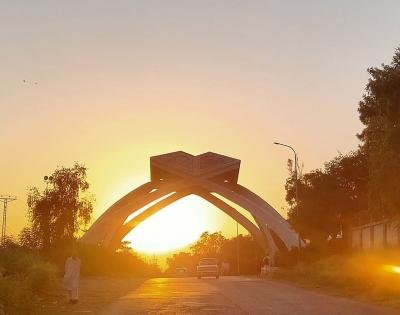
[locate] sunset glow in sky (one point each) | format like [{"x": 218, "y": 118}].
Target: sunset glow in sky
[{"x": 120, "y": 81}]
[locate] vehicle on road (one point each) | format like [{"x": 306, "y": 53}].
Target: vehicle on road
[
  {"x": 208, "y": 267},
  {"x": 181, "y": 272}
]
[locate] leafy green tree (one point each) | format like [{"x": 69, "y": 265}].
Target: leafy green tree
[
  {"x": 250, "y": 254},
  {"x": 63, "y": 208},
  {"x": 225, "y": 250},
  {"x": 330, "y": 200},
  {"x": 182, "y": 259},
  {"x": 28, "y": 238},
  {"x": 208, "y": 244},
  {"x": 99, "y": 261},
  {"x": 350, "y": 171},
  {"x": 380, "y": 113}
]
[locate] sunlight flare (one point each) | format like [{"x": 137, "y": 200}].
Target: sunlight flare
[
  {"x": 173, "y": 227},
  {"x": 392, "y": 269}
]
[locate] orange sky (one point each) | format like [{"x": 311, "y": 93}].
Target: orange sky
[{"x": 120, "y": 82}]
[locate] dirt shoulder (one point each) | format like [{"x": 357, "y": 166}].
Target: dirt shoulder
[
  {"x": 95, "y": 294},
  {"x": 370, "y": 296}
]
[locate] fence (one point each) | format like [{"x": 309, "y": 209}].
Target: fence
[{"x": 376, "y": 235}]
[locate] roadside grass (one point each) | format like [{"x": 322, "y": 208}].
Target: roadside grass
[
  {"x": 374, "y": 277},
  {"x": 30, "y": 279},
  {"x": 96, "y": 293}
]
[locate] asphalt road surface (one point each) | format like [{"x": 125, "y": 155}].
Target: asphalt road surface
[{"x": 234, "y": 295}]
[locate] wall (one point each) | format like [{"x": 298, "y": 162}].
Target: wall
[{"x": 376, "y": 235}]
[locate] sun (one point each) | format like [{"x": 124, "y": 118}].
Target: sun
[{"x": 173, "y": 227}]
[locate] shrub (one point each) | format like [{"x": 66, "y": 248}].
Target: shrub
[
  {"x": 362, "y": 274},
  {"x": 98, "y": 261},
  {"x": 16, "y": 297},
  {"x": 24, "y": 279}
]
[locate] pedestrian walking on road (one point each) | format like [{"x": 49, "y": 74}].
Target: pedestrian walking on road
[
  {"x": 265, "y": 264},
  {"x": 71, "y": 277}
]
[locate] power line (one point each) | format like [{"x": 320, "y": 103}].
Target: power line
[{"x": 5, "y": 200}]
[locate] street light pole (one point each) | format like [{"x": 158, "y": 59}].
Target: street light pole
[
  {"x": 296, "y": 161},
  {"x": 237, "y": 248},
  {"x": 47, "y": 180}
]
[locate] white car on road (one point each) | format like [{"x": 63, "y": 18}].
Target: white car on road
[{"x": 208, "y": 267}]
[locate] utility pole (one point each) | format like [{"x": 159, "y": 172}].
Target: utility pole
[{"x": 5, "y": 200}]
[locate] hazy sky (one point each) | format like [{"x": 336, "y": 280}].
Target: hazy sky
[{"x": 120, "y": 81}]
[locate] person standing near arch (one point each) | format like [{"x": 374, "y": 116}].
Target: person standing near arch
[
  {"x": 265, "y": 266},
  {"x": 72, "y": 277}
]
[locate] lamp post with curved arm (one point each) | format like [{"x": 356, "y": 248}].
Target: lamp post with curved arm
[{"x": 295, "y": 176}]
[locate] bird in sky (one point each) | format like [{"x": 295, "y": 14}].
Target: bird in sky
[{"x": 26, "y": 82}]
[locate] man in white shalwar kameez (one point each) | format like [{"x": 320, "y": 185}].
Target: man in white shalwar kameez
[{"x": 71, "y": 277}]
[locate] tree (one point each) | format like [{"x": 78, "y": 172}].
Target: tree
[
  {"x": 28, "y": 238},
  {"x": 250, "y": 254},
  {"x": 380, "y": 113},
  {"x": 330, "y": 200},
  {"x": 225, "y": 250},
  {"x": 350, "y": 171},
  {"x": 209, "y": 244},
  {"x": 63, "y": 208},
  {"x": 182, "y": 259}
]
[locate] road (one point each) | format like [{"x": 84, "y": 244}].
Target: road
[{"x": 234, "y": 295}]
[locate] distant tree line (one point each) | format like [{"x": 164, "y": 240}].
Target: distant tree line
[
  {"x": 242, "y": 249},
  {"x": 363, "y": 185}
]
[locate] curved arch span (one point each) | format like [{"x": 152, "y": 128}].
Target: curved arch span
[
  {"x": 106, "y": 225},
  {"x": 263, "y": 214},
  {"x": 232, "y": 212}
]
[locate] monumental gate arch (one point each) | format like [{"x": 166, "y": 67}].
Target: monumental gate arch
[{"x": 208, "y": 175}]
